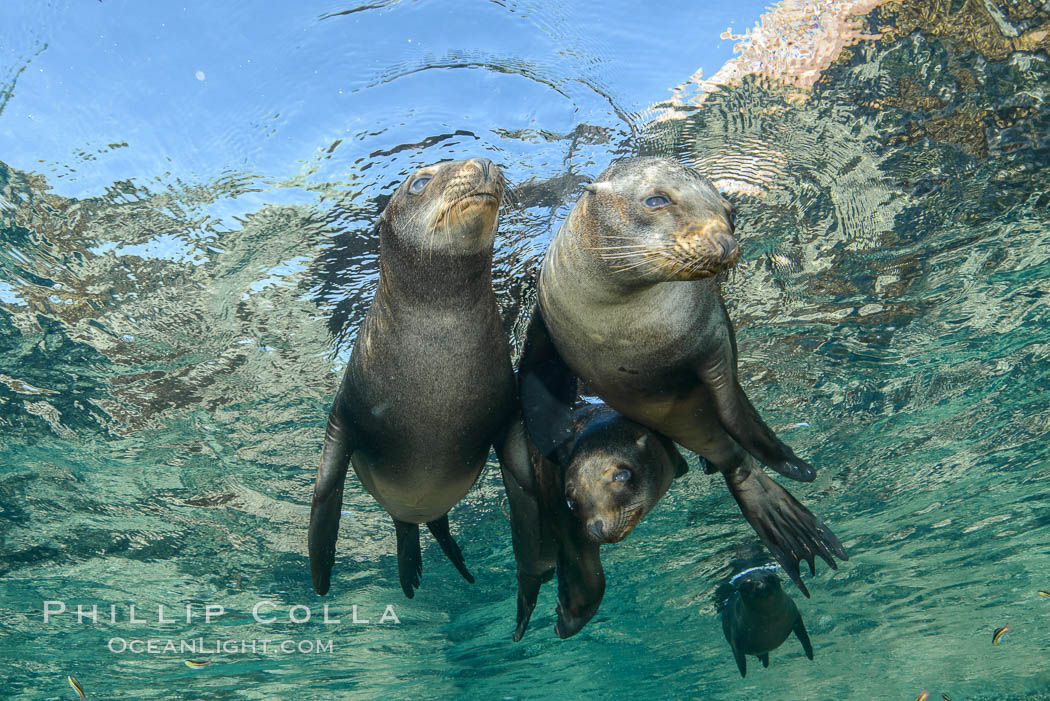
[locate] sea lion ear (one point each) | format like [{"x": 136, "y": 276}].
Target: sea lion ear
[{"x": 597, "y": 188}]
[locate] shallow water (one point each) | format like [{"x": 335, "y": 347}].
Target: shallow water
[{"x": 185, "y": 254}]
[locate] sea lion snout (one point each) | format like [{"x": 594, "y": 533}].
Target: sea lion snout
[
  {"x": 711, "y": 245},
  {"x": 618, "y": 527},
  {"x": 477, "y": 177},
  {"x": 484, "y": 165},
  {"x": 595, "y": 528},
  {"x": 466, "y": 204},
  {"x": 758, "y": 583}
]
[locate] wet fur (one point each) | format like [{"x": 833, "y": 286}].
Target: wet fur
[
  {"x": 658, "y": 348},
  {"x": 549, "y": 537},
  {"x": 429, "y": 387}
]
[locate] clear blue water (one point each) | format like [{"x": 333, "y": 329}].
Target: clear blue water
[{"x": 186, "y": 193}]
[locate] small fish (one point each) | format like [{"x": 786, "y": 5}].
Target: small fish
[
  {"x": 998, "y": 634},
  {"x": 946, "y": 697},
  {"x": 198, "y": 663},
  {"x": 923, "y": 696},
  {"x": 1044, "y": 592},
  {"x": 75, "y": 685}
]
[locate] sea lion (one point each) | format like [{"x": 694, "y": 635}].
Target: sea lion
[
  {"x": 429, "y": 387},
  {"x": 759, "y": 616},
  {"x": 629, "y": 302},
  {"x": 616, "y": 472}
]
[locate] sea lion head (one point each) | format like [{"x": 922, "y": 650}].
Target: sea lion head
[
  {"x": 448, "y": 207},
  {"x": 614, "y": 479},
  {"x": 757, "y": 584},
  {"x": 656, "y": 220}
]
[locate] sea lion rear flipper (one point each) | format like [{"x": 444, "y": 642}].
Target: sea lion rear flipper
[
  {"x": 741, "y": 420},
  {"x": 528, "y": 592},
  {"x": 741, "y": 661},
  {"x": 581, "y": 580},
  {"x": 328, "y": 496},
  {"x": 530, "y": 534},
  {"x": 790, "y": 530},
  {"x": 548, "y": 390},
  {"x": 764, "y": 659},
  {"x": 803, "y": 637},
  {"x": 439, "y": 529},
  {"x": 409, "y": 557}
]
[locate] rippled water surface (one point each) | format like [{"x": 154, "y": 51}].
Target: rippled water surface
[{"x": 186, "y": 199}]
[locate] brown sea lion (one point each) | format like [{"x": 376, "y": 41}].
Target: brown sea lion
[
  {"x": 615, "y": 473},
  {"x": 429, "y": 387},
  {"x": 759, "y": 616},
  {"x": 629, "y": 302}
]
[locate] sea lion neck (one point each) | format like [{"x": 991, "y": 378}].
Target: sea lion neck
[{"x": 434, "y": 277}]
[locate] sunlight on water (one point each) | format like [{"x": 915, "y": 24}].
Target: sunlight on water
[{"x": 186, "y": 250}]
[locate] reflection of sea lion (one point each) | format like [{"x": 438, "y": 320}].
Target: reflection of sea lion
[
  {"x": 759, "y": 616},
  {"x": 629, "y": 302},
  {"x": 429, "y": 386},
  {"x": 617, "y": 471}
]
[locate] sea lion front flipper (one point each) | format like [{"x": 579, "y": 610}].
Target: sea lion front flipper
[
  {"x": 534, "y": 547},
  {"x": 581, "y": 580},
  {"x": 790, "y": 530},
  {"x": 328, "y": 496},
  {"x": 741, "y": 420},
  {"x": 548, "y": 390},
  {"x": 409, "y": 557},
  {"x": 764, "y": 659},
  {"x": 439, "y": 529},
  {"x": 741, "y": 661},
  {"x": 803, "y": 637}
]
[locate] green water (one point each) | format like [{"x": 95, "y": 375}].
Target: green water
[{"x": 169, "y": 345}]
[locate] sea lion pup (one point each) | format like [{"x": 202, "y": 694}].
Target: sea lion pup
[
  {"x": 629, "y": 302},
  {"x": 617, "y": 470},
  {"x": 429, "y": 387},
  {"x": 759, "y": 616}
]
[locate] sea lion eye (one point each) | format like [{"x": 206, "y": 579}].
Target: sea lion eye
[
  {"x": 622, "y": 476},
  {"x": 570, "y": 503},
  {"x": 419, "y": 184},
  {"x": 657, "y": 201}
]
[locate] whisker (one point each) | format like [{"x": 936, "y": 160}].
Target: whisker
[
  {"x": 619, "y": 248},
  {"x": 632, "y": 254},
  {"x": 643, "y": 262},
  {"x": 511, "y": 194}
]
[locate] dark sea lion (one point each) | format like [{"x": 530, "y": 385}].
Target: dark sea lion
[
  {"x": 759, "y": 616},
  {"x": 616, "y": 472},
  {"x": 629, "y": 302},
  {"x": 429, "y": 387}
]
